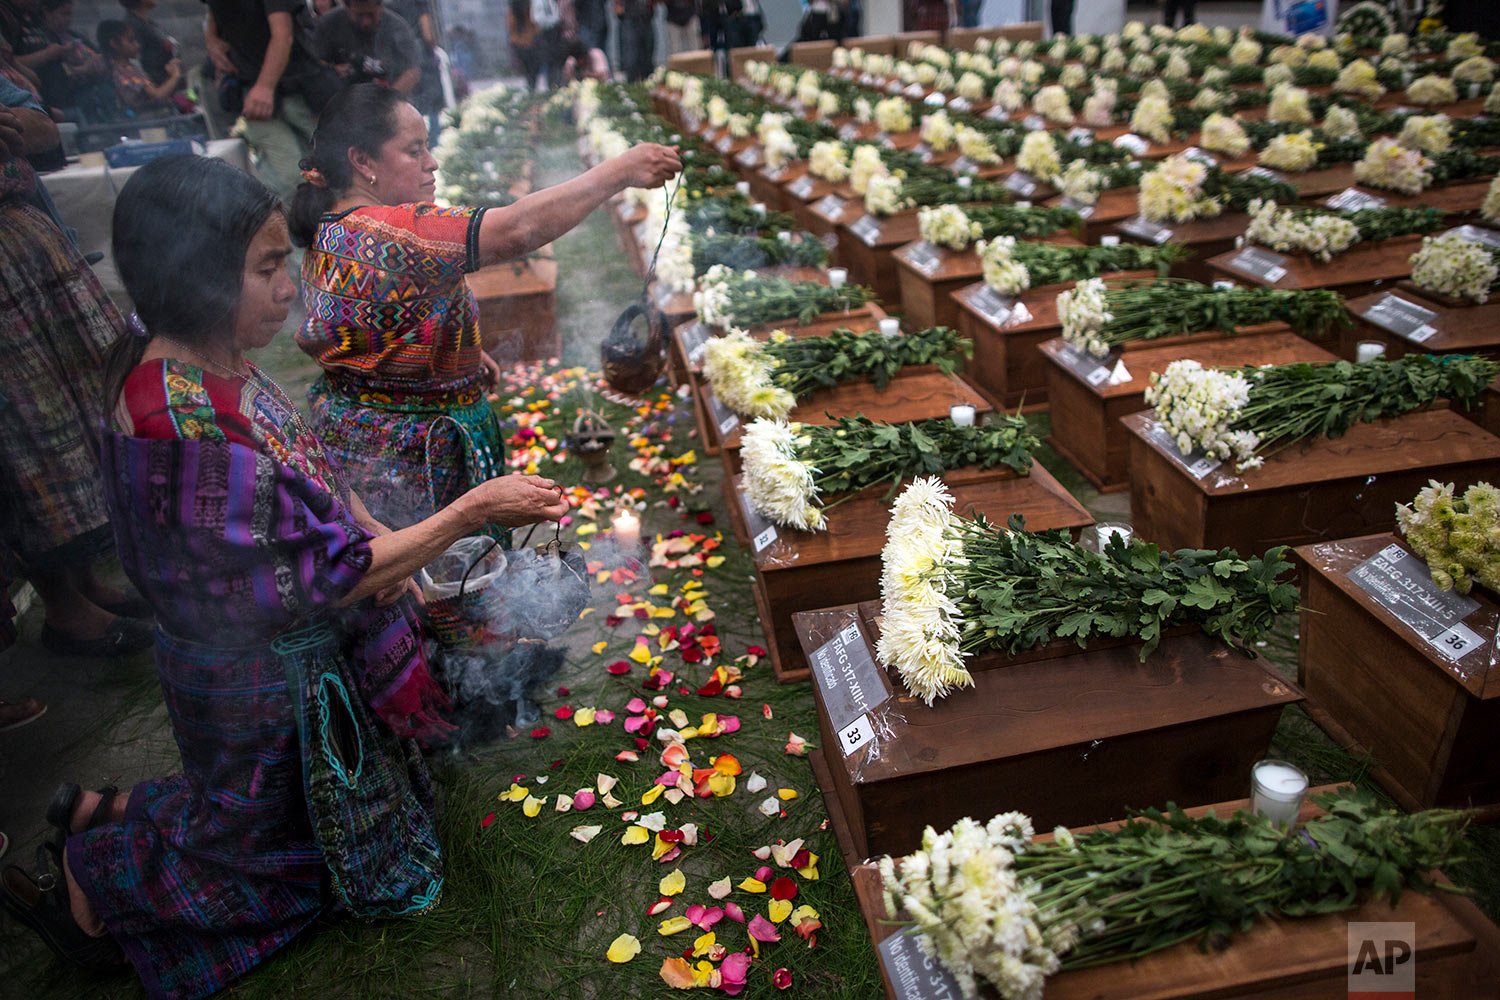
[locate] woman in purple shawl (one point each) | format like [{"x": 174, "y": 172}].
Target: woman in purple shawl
[{"x": 287, "y": 650}]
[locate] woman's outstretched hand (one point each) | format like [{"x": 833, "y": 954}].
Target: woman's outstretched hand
[
  {"x": 514, "y": 500},
  {"x": 648, "y": 165}
]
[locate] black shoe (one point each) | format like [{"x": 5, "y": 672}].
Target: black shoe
[
  {"x": 125, "y": 637},
  {"x": 65, "y": 800},
  {"x": 41, "y": 903}
]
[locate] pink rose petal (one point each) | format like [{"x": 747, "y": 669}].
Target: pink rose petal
[
  {"x": 733, "y": 912},
  {"x": 635, "y": 705},
  {"x": 762, "y": 929},
  {"x": 583, "y": 799}
]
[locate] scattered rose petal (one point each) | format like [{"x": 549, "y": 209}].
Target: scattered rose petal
[
  {"x": 623, "y": 949},
  {"x": 796, "y": 745},
  {"x": 610, "y": 801},
  {"x": 786, "y": 794},
  {"x": 733, "y": 971},
  {"x": 733, "y": 912},
  {"x": 585, "y": 834},
  {"x": 721, "y": 888},
  {"x": 532, "y": 806},
  {"x": 704, "y": 944},
  {"x": 778, "y": 910},
  {"x": 676, "y": 973},
  {"x": 618, "y": 667},
  {"x": 604, "y": 717},
  {"x": 766, "y": 710},
  {"x": 786, "y": 854},
  {"x": 583, "y": 798},
  {"x": 660, "y": 906},
  {"x": 655, "y": 822},
  {"x": 487, "y": 820},
  {"x": 762, "y": 929},
  {"x": 584, "y": 717},
  {"x": 635, "y": 835},
  {"x": 754, "y": 783},
  {"x": 515, "y": 793},
  {"x": 764, "y": 873},
  {"x": 674, "y": 795},
  {"x": 752, "y": 885},
  {"x": 563, "y": 712},
  {"x": 564, "y": 803},
  {"x": 540, "y": 732},
  {"x": 784, "y": 888},
  {"x": 629, "y": 756},
  {"x": 781, "y": 979},
  {"x": 604, "y": 783},
  {"x": 635, "y": 706},
  {"x": 673, "y": 925},
  {"x": 763, "y": 853},
  {"x": 770, "y": 807},
  {"x": 673, "y": 883}
]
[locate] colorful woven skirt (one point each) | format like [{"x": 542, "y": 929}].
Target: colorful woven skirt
[{"x": 408, "y": 458}]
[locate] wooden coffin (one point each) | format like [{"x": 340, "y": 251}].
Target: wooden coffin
[
  {"x": 1323, "y": 489},
  {"x": 823, "y": 217},
  {"x": 1397, "y": 670},
  {"x": 1086, "y": 403},
  {"x": 1059, "y": 733},
  {"x": 1204, "y": 237},
  {"x": 1007, "y": 367},
  {"x": 867, "y": 244},
  {"x": 797, "y": 571},
  {"x": 1456, "y": 952},
  {"x": 929, "y": 275},
  {"x": 770, "y": 186},
  {"x": 518, "y": 309},
  {"x": 1100, "y": 219},
  {"x": 1407, "y": 320},
  {"x": 1356, "y": 271}
]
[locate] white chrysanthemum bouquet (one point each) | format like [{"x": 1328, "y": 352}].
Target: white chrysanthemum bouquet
[
  {"x": 1390, "y": 165},
  {"x": 1456, "y": 267},
  {"x": 1459, "y": 537}
]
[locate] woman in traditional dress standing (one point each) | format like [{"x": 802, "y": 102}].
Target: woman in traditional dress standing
[
  {"x": 58, "y": 323},
  {"x": 287, "y": 650},
  {"x": 402, "y": 406}
]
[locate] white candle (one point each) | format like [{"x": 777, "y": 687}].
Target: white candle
[
  {"x": 837, "y": 276},
  {"x": 627, "y": 529},
  {"x": 962, "y": 414},
  {"x": 965, "y": 180},
  {"x": 1368, "y": 350},
  {"x": 890, "y": 326},
  {"x": 1107, "y": 530},
  {"x": 759, "y": 206},
  {"x": 1276, "y": 791},
  {"x": 784, "y": 236},
  {"x": 1109, "y": 241},
  {"x": 743, "y": 187}
]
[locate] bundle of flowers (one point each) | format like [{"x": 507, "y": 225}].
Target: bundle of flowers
[
  {"x": 1367, "y": 22},
  {"x": 1223, "y": 134},
  {"x": 1341, "y": 123},
  {"x": 975, "y": 145},
  {"x": 1432, "y": 89},
  {"x": 1289, "y": 104},
  {"x": 789, "y": 468},
  {"x": 1098, "y": 317},
  {"x": 1174, "y": 192},
  {"x": 1099, "y": 107},
  {"x": 1244, "y": 52},
  {"x": 1152, "y": 118},
  {"x": 951, "y": 587},
  {"x": 866, "y": 163},
  {"x": 954, "y": 227},
  {"x": 767, "y": 378},
  {"x": 1011, "y": 267},
  {"x": 1475, "y": 69},
  {"x": 1428, "y": 133},
  {"x": 893, "y": 114},
  {"x": 996, "y": 907},
  {"x": 937, "y": 131},
  {"x": 1456, "y": 267},
  {"x": 1358, "y": 77},
  {"x": 1052, "y": 104},
  {"x": 1388, "y": 164},
  {"x": 884, "y": 196},
  {"x": 1465, "y": 45},
  {"x": 1324, "y": 232},
  {"x": 1248, "y": 413},
  {"x": 737, "y": 299},
  {"x": 1459, "y": 537},
  {"x": 1038, "y": 156},
  {"x": 1294, "y": 151},
  {"x": 829, "y": 159}
]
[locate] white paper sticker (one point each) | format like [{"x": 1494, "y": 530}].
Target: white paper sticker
[
  {"x": 764, "y": 539},
  {"x": 1456, "y": 643},
  {"x": 856, "y": 734}
]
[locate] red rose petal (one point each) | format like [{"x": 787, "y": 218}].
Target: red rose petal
[
  {"x": 713, "y": 687},
  {"x": 487, "y": 820},
  {"x": 563, "y": 692},
  {"x": 564, "y": 712},
  {"x": 618, "y": 667},
  {"x": 692, "y": 656},
  {"x": 756, "y": 651},
  {"x": 782, "y": 979},
  {"x": 612, "y": 620},
  {"x": 705, "y": 517},
  {"x": 783, "y": 888},
  {"x": 540, "y": 732}
]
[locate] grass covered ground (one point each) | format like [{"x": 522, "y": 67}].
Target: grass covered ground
[{"x": 529, "y": 910}]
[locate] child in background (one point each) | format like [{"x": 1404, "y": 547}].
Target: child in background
[{"x": 138, "y": 95}]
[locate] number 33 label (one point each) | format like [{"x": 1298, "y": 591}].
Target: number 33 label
[
  {"x": 856, "y": 734},
  {"x": 1457, "y": 642}
]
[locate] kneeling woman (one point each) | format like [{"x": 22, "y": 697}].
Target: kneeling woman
[{"x": 287, "y": 651}]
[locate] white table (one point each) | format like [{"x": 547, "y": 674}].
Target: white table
[{"x": 85, "y": 198}]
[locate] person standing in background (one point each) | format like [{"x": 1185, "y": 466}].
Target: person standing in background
[
  {"x": 364, "y": 44},
  {"x": 968, "y": 13},
  {"x": 743, "y": 25},
  {"x": 548, "y": 16},
  {"x": 1062, "y": 17},
  {"x": 428, "y": 97},
  {"x": 637, "y": 38},
  {"x": 523, "y": 34},
  {"x": 683, "y": 33},
  {"x": 260, "y": 65},
  {"x": 1171, "y": 7},
  {"x": 592, "y": 18}
]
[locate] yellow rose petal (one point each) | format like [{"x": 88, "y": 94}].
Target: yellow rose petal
[
  {"x": 779, "y": 910},
  {"x": 786, "y": 794},
  {"x": 623, "y": 949},
  {"x": 673, "y": 883},
  {"x": 635, "y": 835},
  {"x": 532, "y": 806},
  {"x": 673, "y": 925},
  {"x": 652, "y": 794},
  {"x": 753, "y": 885}
]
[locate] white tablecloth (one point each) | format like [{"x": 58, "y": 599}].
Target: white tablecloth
[{"x": 85, "y": 198}]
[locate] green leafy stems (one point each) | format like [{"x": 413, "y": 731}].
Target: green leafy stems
[
  {"x": 855, "y": 453},
  {"x": 767, "y": 299},
  {"x": 805, "y": 364},
  {"x": 1171, "y": 307},
  {"x": 1164, "y": 877},
  {"x": 1022, "y": 222},
  {"x": 748, "y": 251},
  {"x": 1020, "y": 589},
  {"x": 1053, "y": 263},
  {"x": 1290, "y": 403}
]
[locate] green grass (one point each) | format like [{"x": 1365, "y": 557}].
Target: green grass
[{"x": 528, "y": 911}]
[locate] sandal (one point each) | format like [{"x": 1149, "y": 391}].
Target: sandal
[
  {"x": 41, "y": 903},
  {"x": 65, "y": 800},
  {"x": 124, "y": 637},
  {"x": 28, "y": 710}
]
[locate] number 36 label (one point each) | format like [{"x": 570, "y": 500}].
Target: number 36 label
[{"x": 1457, "y": 642}]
